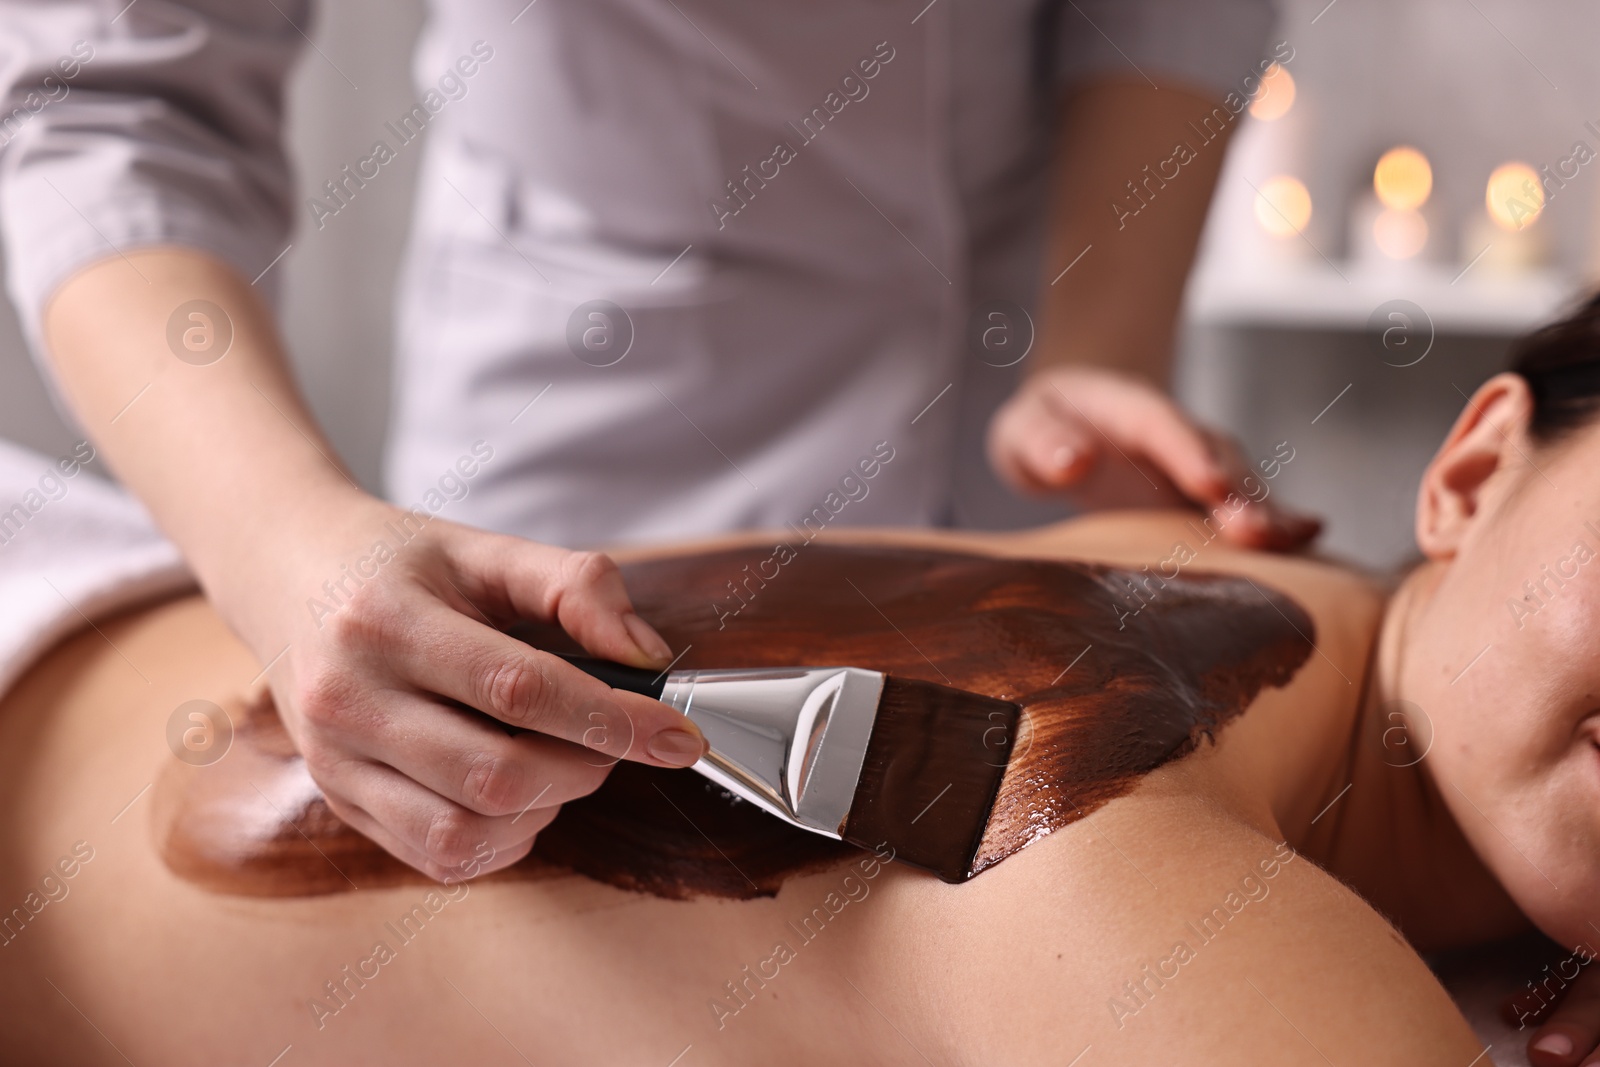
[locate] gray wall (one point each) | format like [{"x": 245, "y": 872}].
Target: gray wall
[
  {"x": 1440, "y": 75},
  {"x": 1371, "y": 74}
]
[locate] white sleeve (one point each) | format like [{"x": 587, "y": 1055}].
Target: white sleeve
[{"x": 135, "y": 124}]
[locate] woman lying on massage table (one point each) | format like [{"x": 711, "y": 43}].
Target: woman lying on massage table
[{"x": 1229, "y": 788}]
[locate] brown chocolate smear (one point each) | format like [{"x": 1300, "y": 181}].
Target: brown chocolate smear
[{"x": 1148, "y": 689}]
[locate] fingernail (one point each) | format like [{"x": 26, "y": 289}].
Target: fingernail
[
  {"x": 1555, "y": 1044},
  {"x": 681, "y": 748},
  {"x": 649, "y": 642}
]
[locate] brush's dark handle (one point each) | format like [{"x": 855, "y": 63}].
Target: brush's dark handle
[{"x": 620, "y": 676}]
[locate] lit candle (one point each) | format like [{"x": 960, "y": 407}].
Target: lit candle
[
  {"x": 1388, "y": 227},
  {"x": 1505, "y": 239},
  {"x": 1283, "y": 210},
  {"x": 1276, "y": 96}
]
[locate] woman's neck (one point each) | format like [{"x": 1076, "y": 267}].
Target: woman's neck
[{"x": 1391, "y": 836}]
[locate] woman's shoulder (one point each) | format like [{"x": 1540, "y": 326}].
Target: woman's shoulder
[{"x": 1165, "y": 929}]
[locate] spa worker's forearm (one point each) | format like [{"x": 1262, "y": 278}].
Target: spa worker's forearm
[
  {"x": 1131, "y": 186},
  {"x": 176, "y": 371}
]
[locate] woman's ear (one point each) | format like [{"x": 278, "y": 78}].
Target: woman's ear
[{"x": 1490, "y": 434}]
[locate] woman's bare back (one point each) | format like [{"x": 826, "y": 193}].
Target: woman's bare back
[{"x": 1173, "y": 923}]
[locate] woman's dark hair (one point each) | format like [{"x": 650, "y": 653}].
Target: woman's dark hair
[{"x": 1561, "y": 364}]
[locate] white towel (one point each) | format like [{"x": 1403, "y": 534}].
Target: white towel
[{"x": 72, "y": 549}]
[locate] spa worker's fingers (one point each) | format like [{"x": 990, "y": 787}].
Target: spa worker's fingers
[
  {"x": 1570, "y": 1031},
  {"x": 425, "y": 639},
  {"x": 583, "y": 591},
  {"x": 533, "y": 690},
  {"x": 1107, "y": 440},
  {"x": 383, "y": 662},
  {"x": 444, "y": 841},
  {"x": 452, "y": 793},
  {"x": 1261, "y": 524},
  {"x": 472, "y": 761}
]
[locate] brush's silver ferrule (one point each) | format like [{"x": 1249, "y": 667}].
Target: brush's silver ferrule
[{"x": 791, "y": 741}]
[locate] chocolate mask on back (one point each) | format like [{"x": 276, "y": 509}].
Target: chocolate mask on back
[{"x": 1141, "y": 690}]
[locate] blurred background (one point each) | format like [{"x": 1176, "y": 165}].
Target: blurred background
[
  {"x": 1319, "y": 223},
  {"x": 1358, "y": 277}
]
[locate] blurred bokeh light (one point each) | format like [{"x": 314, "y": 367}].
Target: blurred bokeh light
[
  {"x": 1283, "y": 206},
  {"x": 1276, "y": 96},
  {"x": 1403, "y": 179}
]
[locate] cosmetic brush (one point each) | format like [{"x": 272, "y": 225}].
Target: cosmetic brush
[{"x": 851, "y": 754}]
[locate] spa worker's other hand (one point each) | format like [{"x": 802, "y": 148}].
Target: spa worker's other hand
[
  {"x": 1108, "y": 440},
  {"x": 1090, "y": 422},
  {"x": 389, "y": 652},
  {"x": 1567, "y": 1032}
]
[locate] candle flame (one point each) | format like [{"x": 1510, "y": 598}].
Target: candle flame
[
  {"x": 1403, "y": 179},
  {"x": 1276, "y": 96},
  {"x": 1514, "y": 196},
  {"x": 1283, "y": 206}
]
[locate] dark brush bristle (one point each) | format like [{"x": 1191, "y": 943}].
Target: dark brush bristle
[{"x": 932, "y": 769}]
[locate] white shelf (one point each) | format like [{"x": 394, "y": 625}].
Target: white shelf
[{"x": 1317, "y": 295}]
